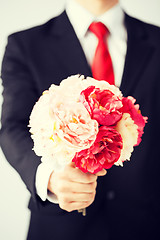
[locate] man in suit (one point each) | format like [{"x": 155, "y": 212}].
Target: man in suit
[{"x": 125, "y": 203}]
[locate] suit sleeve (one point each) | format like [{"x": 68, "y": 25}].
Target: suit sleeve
[{"x": 19, "y": 96}]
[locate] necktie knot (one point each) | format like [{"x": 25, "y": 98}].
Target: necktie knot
[{"x": 99, "y": 29}]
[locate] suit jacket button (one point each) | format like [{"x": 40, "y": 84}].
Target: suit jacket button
[{"x": 110, "y": 195}]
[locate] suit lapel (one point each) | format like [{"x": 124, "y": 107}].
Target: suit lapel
[
  {"x": 69, "y": 48},
  {"x": 73, "y": 60},
  {"x": 139, "y": 54}
]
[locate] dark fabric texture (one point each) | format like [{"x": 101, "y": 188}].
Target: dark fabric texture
[{"x": 127, "y": 204}]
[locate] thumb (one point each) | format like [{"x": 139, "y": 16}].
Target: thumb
[{"x": 103, "y": 172}]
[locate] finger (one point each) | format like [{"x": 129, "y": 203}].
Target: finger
[
  {"x": 78, "y": 176},
  {"x": 79, "y": 205},
  {"x": 77, "y": 197},
  {"x": 75, "y": 174},
  {"x": 82, "y": 187},
  {"x": 103, "y": 172},
  {"x": 74, "y": 205},
  {"x": 75, "y": 187}
]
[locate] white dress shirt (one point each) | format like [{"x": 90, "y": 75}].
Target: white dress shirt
[{"x": 81, "y": 19}]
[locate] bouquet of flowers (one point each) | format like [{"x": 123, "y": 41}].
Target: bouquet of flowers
[{"x": 85, "y": 121}]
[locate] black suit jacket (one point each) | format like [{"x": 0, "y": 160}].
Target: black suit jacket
[{"x": 127, "y": 204}]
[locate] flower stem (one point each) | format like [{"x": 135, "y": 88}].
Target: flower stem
[{"x": 83, "y": 211}]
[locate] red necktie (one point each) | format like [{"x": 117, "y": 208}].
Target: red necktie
[{"x": 102, "y": 68}]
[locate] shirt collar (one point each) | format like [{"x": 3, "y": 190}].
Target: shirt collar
[{"x": 81, "y": 19}]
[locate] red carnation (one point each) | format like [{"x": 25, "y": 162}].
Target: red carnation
[
  {"x": 102, "y": 105},
  {"x": 130, "y": 107},
  {"x": 103, "y": 153}
]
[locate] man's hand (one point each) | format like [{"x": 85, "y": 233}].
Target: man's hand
[{"x": 73, "y": 188}]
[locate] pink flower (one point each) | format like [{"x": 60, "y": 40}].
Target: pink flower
[
  {"x": 103, "y": 153},
  {"x": 102, "y": 105},
  {"x": 130, "y": 107},
  {"x": 74, "y": 125}
]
